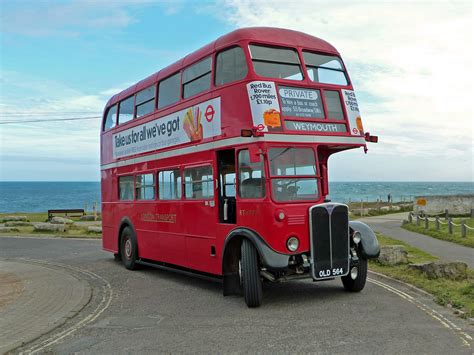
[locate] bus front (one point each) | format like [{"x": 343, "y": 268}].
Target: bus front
[{"x": 303, "y": 110}]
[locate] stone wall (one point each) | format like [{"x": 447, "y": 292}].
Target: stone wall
[{"x": 437, "y": 204}]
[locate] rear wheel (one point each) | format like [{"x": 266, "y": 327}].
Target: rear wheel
[
  {"x": 129, "y": 249},
  {"x": 250, "y": 274},
  {"x": 356, "y": 284}
]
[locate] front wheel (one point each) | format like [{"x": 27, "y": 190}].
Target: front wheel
[
  {"x": 129, "y": 249},
  {"x": 356, "y": 284},
  {"x": 250, "y": 274}
]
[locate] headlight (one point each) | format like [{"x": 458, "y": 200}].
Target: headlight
[
  {"x": 292, "y": 244},
  {"x": 356, "y": 237}
]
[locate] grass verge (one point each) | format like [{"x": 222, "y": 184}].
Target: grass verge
[
  {"x": 443, "y": 233},
  {"x": 73, "y": 231},
  {"x": 458, "y": 294}
]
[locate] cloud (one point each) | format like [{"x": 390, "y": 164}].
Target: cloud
[
  {"x": 410, "y": 63},
  {"x": 70, "y": 19}
]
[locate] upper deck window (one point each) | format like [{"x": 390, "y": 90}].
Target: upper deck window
[
  {"x": 230, "y": 66},
  {"x": 326, "y": 69},
  {"x": 126, "y": 110},
  {"x": 111, "y": 119},
  {"x": 145, "y": 101},
  {"x": 281, "y": 63},
  {"x": 168, "y": 90},
  {"x": 197, "y": 78}
]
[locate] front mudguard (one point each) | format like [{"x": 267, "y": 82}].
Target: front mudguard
[{"x": 369, "y": 245}]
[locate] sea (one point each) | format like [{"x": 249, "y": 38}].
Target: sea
[{"x": 40, "y": 196}]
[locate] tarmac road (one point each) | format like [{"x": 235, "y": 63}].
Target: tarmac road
[{"x": 160, "y": 311}]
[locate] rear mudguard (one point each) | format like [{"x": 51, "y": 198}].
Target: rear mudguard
[{"x": 369, "y": 245}]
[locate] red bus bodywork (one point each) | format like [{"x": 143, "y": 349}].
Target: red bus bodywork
[{"x": 191, "y": 233}]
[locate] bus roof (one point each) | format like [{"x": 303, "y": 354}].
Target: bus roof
[{"x": 270, "y": 35}]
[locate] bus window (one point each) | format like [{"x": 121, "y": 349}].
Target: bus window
[
  {"x": 198, "y": 183},
  {"x": 282, "y": 63},
  {"x": 197, "y": 78},
  {"x": 169, "y": 185},
  {"x": 111, "y": 119},
  {"x": 230, "y": 66},
  {"x": 168, "y": 90},
  {"x": 293, "y": 174},
  {"x": 145, "y": 101},
  {"x": 251, "y": 177},
  {"x": 126, "y": 188},
  {"x": 325, "y": 68},
  {"x": 333, "y": 104},
  {"x": 126, "y": 110},
  {"x": 145, "y": 187}
]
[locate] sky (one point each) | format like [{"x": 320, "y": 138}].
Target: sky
[{"x": 410, "y": 63}]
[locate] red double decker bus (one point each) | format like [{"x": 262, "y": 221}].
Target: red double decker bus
[{"x": 218, "y": 164}]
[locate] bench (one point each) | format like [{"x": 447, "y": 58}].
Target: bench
[{"x": 77, "y": 212}]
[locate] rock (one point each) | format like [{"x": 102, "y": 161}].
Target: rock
[
  {"x": 395, "y": 208},
  {"x": 454, "y": 270},
  {"x": 94, "y": 229},
  {"x": 61, "y": 220},
  {"x": 385, "y": 208},
  {"x": 49, "y": 227},
  {"x": 17, "y": 223},
  {"x": 87, "y": 217},
  {"x": 8, "y": 229},
  {"x": 14, "y": 218},
  {"x": 393, "y": 255}
]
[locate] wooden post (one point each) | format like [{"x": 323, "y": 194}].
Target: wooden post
[
  {"x": 94, "y": 210},
  {"x": 463, "y": 229},
  {"x": 472, "y": 212},
  {"x": 417, "y": 220},
  {"x": 410, "y": 217},
  {"x": 446, "y": 214},
  {"x": 450, "y": 226},
  {"x": 427, "y": 222},
  {"x": 437, "y": 223},
  {"x": 361, "y": 207}
]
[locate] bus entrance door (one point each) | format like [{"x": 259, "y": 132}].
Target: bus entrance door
[{"x": 226, "y": 180}]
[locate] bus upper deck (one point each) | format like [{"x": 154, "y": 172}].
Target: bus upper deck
[{"x": 265, "y": 84}]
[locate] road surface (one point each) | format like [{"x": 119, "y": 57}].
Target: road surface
[
  {"x": 160, "y": 311},
  {"x": 389, "y": 225}
]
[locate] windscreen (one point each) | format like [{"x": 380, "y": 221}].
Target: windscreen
[{"x": 293, "y": 174}]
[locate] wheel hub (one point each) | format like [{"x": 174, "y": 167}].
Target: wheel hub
[{"x": 128, "y": 248}]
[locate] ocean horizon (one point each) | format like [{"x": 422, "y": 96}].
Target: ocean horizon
[{"x": 39, "y": 196}]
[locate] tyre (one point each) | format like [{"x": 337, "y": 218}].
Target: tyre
[
  {"x": 129, "y": 249},
  {"x": 357, "y": 284},
  {"x": 250, "y": 274}
]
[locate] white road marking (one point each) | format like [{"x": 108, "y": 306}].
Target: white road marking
[
  {"x": 465, "y": 338},
  {"x": 102, "y": 306}
]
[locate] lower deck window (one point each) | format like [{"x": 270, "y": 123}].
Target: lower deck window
[
  {"x": 169, "y": 185},
  {"x": 126, "y": 188},
  {"x": 198, "y": 183},
  {"x": 145, "y": 187},
  {"x": 251, "y": 177}
]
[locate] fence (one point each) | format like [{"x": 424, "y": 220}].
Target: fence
[{"x": 438, "y": 223}]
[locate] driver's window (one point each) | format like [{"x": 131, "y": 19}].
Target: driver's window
[{"x": 251, "y": 177}]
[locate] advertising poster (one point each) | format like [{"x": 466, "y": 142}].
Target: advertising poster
[
  {"x": 189, "y": 125},
  {"x": 299, "y": 102},
  {"x": 264, "y": 105},
  {"x": 353, "y": 114}
]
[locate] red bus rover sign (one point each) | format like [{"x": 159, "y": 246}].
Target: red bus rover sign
[{"x": 218, "y": 164}]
